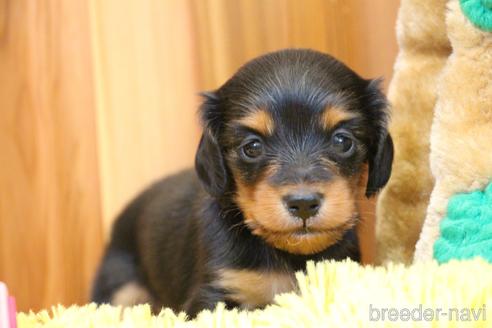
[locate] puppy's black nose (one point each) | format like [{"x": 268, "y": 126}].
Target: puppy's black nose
[{"x": 303, "y": 206}]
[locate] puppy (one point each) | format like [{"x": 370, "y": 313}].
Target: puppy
[{"x": 285, "y": 143}]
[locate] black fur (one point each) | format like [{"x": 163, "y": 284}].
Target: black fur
[{"x": 174, "y": 237}]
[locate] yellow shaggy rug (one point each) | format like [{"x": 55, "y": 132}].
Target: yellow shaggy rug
[{"x": 331, "y": 294}]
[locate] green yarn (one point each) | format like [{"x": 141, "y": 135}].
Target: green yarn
[
  {"x": 466, "y": 231},
  {"x": 487, "y": 3},
  {"x": 479, "y": 12}
]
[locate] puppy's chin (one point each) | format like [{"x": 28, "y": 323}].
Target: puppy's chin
[{"x": 300, "y": 241}]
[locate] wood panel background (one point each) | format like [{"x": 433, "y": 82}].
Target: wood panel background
[
  {"x": 98, "y": 98},
  {"x": 50, "y": 218},
  {"x": 145, "y": 66}
]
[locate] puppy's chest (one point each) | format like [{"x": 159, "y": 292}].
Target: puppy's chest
[{"x": 251, "y": 288}]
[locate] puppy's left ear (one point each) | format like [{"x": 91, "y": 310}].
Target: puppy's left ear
[
  {"x": 381, "y": 154},
  {"x": 380, "y": 166},
  {"x": 209, "y": 160}
]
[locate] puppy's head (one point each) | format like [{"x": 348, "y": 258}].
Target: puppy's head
[{"x": 287, "y": 138}]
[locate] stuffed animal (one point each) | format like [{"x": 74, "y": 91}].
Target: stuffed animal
[
  {"x": 466, "y": 230},
  {"x": 7, "y": 308},
  {"x": 424, "y": 49},
  {"x": 461, "y": 141},
  {"x": 441, "y": 95}
]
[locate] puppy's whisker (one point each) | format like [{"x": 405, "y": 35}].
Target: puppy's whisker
[{"x": 236, "y": 225}]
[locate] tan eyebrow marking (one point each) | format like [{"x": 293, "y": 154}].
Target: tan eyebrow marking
[
  {"x": 333, "y": 115},
  {"x": 260, "y": 120}
]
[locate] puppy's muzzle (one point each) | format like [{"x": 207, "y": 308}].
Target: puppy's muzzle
[{"x": 303, "y": 206}]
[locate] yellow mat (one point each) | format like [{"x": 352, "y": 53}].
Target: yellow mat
[{"x": 331, "y": 294}]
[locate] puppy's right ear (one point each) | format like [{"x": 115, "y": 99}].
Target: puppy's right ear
[
  {"x": 209, "y": 160},
  {"x": 209, "y": 165}
]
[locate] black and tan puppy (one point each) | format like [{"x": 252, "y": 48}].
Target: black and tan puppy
[{"x": 285, "y": 142}]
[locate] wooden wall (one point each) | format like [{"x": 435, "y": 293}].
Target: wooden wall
[
  {"x": 98, "y": 98},
  {"x": 50, "y": 227},
  {"x": 145, "y": 65},
  {"x": 359, "y": 32}
]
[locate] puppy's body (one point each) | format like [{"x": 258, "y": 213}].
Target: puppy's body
[
  {"x": 285, "y": 144},
  {"x": 184, "y": 251}
]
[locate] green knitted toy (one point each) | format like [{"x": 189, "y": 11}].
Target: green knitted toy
[
  {"x": 479, "y": 12},
  {"x": 466, "y": 231}
]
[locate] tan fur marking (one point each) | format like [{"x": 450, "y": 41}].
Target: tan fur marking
[
  {"x": 131, "y": 294},
  {"x": 260, "y": 120},
  {"x": 339, "y": 203},
  {"x": 334, "y": 115},
  {"x": 268, "y": 218},
  {"x": 254, "y": 288}
]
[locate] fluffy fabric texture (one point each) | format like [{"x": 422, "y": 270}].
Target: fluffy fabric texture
[
  {"x": 466, "y": 231},
  {"x": 461, "y": 135},
  {"x": 402, "y": 205},
  {"x": 332, "y": 294},
  {"x": 479, "y": 12}
]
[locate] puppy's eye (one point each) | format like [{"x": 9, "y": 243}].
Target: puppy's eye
[
  {"x": 342, "y": 143},
  {"x": 252, "y": 149}
]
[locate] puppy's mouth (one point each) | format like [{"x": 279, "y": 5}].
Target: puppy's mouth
[
  {"x": 308, "y": 226},
  {"x": 301, "y": 240},
  {"x": 304, "y": 231},
  {"x": 301, "y": 231}
]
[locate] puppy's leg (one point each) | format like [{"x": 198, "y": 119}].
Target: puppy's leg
[
  {"x": 118, "y": 282},
  {"x": 131, "y": 293},
  {"x": 205, "y": 298}
]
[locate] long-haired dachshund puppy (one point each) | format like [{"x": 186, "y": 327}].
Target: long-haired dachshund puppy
[{"x": 285, "y": 142}]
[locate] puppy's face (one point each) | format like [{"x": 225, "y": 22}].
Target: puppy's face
[
  {"x": 296, "y": 170},
  {"x": 286, "y": 140}
]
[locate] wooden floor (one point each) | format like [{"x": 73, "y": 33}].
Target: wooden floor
[{"x": 99, "y": 97}]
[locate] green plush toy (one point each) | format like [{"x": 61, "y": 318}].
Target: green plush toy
[
  {"x": 479, "y": 12},
  {"x": 466, "y": 231},
  {"x": 458, "y": 224}
]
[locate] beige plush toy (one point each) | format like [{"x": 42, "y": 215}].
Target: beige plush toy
[
  {"x": 456, "y": 75},
  {"x": 424, "y": 49},
  {"x": 461, "y": 141}
]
